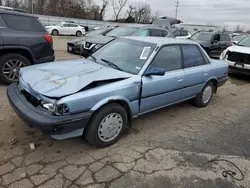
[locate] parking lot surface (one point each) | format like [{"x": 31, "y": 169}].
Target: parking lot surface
[{"x": 174, "y": 147}]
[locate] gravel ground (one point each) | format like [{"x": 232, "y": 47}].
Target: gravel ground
[{"x": 172, "y": 147}]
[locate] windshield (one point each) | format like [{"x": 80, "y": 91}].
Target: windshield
[
  {"x": 202, "y": 36},
  {"x": 238, "y": 38},
  {"x": 122, "y": 31},
  {"x": 128, "y": 55},
  {"x": 245, "y": 42}
]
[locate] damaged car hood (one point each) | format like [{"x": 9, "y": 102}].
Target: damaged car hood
[
  {"x": 60, "y": 79},
  {"x": 239, "y": 49}
]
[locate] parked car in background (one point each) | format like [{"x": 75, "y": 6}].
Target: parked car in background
[
  {"x": 90, "y": 45},
  {"x": 236, "y": 39},
  {"x": 74, "y": 46},
  {"x": 213, "y": 43},
  {"x": 238, "y": 57},
  {"x": 66, "y": 28},
  {"x": 181, "y": 34},
  {"x": 23, "y": 41},
  {"x": 126, "y": 78}
]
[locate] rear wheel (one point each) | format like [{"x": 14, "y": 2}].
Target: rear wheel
[
  {"x": 205, "y": 96},
  {"x": 107, "y": 125},
  {"x": 78, "y": 33},
  {"x": 55, "y": 32},
  {"x": 10, "y": 65}
]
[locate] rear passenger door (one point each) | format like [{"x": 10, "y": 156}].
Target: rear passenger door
[
  {"x": 159, "y": 91},
  {"x": 196, "y": 70}
]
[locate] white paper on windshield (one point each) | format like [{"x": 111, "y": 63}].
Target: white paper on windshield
[{"x": 145, "y": 53}]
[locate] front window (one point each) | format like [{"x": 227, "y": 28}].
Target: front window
[
  {"x": 122, "y": 31},
  {"x": 238, "y": 38},
  {"x": 128, "y": 55},
  {"x": 202, "y": 36}
]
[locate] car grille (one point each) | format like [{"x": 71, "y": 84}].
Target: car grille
[
  {"x": 71, "y": 44},
  {"x": 238, "y": 58}
]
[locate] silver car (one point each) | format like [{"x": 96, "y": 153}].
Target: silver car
[{"x": 98, "y": 97}]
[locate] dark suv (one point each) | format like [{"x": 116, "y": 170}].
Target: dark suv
[
  {"x": 23, "y": 41},
  {"x": 213, "y": 43}
]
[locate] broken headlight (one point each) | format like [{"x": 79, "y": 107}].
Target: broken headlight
[{"x": 58, "y": 110}]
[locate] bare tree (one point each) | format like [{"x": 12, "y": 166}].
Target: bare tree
[
  {"x": 1, "y": 2},
  {"x": 239, "y": 29},
  {"x": 118, "y": 7},
  {"x": 103, "y": 9},
  {"x": 142, "y": 13},
  {"x": 225, "y": 28},
  {"x": 155, "y": 16}
]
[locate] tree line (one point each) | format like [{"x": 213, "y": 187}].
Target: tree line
[{"x": 122, "y": 10}]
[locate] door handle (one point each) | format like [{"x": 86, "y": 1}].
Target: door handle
[
  {"x": 180, "y": 80},
  {"x": 205, "y": 74}
]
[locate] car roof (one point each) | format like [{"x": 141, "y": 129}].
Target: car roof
[
  {"x": 160, "y": 40},
  {"x": 14, "y": 12}
]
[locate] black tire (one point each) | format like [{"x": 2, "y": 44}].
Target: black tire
[
  {"x": 78, "y": 33},
  {"x": 198, "y": 101},
  {"x": 8, "y": 57},
  {"x": 55, "y": 32},
  {"x": 91, "y": 132}
]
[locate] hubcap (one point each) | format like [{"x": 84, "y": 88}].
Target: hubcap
[
  {"x": 110, "y": 127},
  {"x": 11, "y": 69},
  {"x": 207, "y": 94}
]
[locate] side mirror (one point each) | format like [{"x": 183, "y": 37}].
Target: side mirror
[{"x": 154, "y": 71}]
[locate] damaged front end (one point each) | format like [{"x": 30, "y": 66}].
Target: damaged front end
[
  {"x": 41, "y": 102},
  {"x": 237, "y": 59}
]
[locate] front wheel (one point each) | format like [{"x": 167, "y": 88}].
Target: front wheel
[
  {"x": 55, "y": 32},
  {"x": 107, "y": 125},
  {"x": 205, "y": 96}
]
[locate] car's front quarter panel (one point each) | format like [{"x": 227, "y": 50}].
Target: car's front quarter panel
[{"x": 127, "y": 90}]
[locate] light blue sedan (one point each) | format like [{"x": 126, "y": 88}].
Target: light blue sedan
[{"x": 98, "y": 97}]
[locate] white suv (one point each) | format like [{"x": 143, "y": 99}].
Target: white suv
[{"x": 66, "y": 29}]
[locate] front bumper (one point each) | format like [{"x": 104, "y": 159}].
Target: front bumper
[
  {"x": 72, "y": 48},
  {"x": 222, "y": 81},
  {"x": 236, "y": 70},
  {"x": 47, "y": 123}
]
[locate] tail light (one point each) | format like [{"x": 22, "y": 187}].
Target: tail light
[{"x": 49, "y": 39}]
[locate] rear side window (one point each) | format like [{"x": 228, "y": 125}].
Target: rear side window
[
  {"x": 192, "y": 56},
  {"x": 144, "y": 32},
  {"x": 156, "y": 33},
  {"x": 177, "y": 33},
  {"x": 23, "y": 23},
  {"x": 165, "y": 33},
  {"x": 184, "y": 33},
  {"x": 73, "y": 25}
]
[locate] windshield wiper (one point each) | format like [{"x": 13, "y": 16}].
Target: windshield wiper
[
  {"x": 111, "y": 64},
  {"x": 95, "y": 60}
]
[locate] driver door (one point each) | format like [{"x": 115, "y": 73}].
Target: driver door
[
  {"x": 215, "y": 45},
  {"x": 160, "y": 91}
]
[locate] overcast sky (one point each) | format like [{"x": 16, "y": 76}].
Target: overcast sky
[{"x": 217, "y": 12}]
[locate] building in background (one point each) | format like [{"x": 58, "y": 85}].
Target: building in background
[{"x": 193, "y": 28}]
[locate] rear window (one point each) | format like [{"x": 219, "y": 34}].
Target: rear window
[{"x": 23, "y": 23}]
